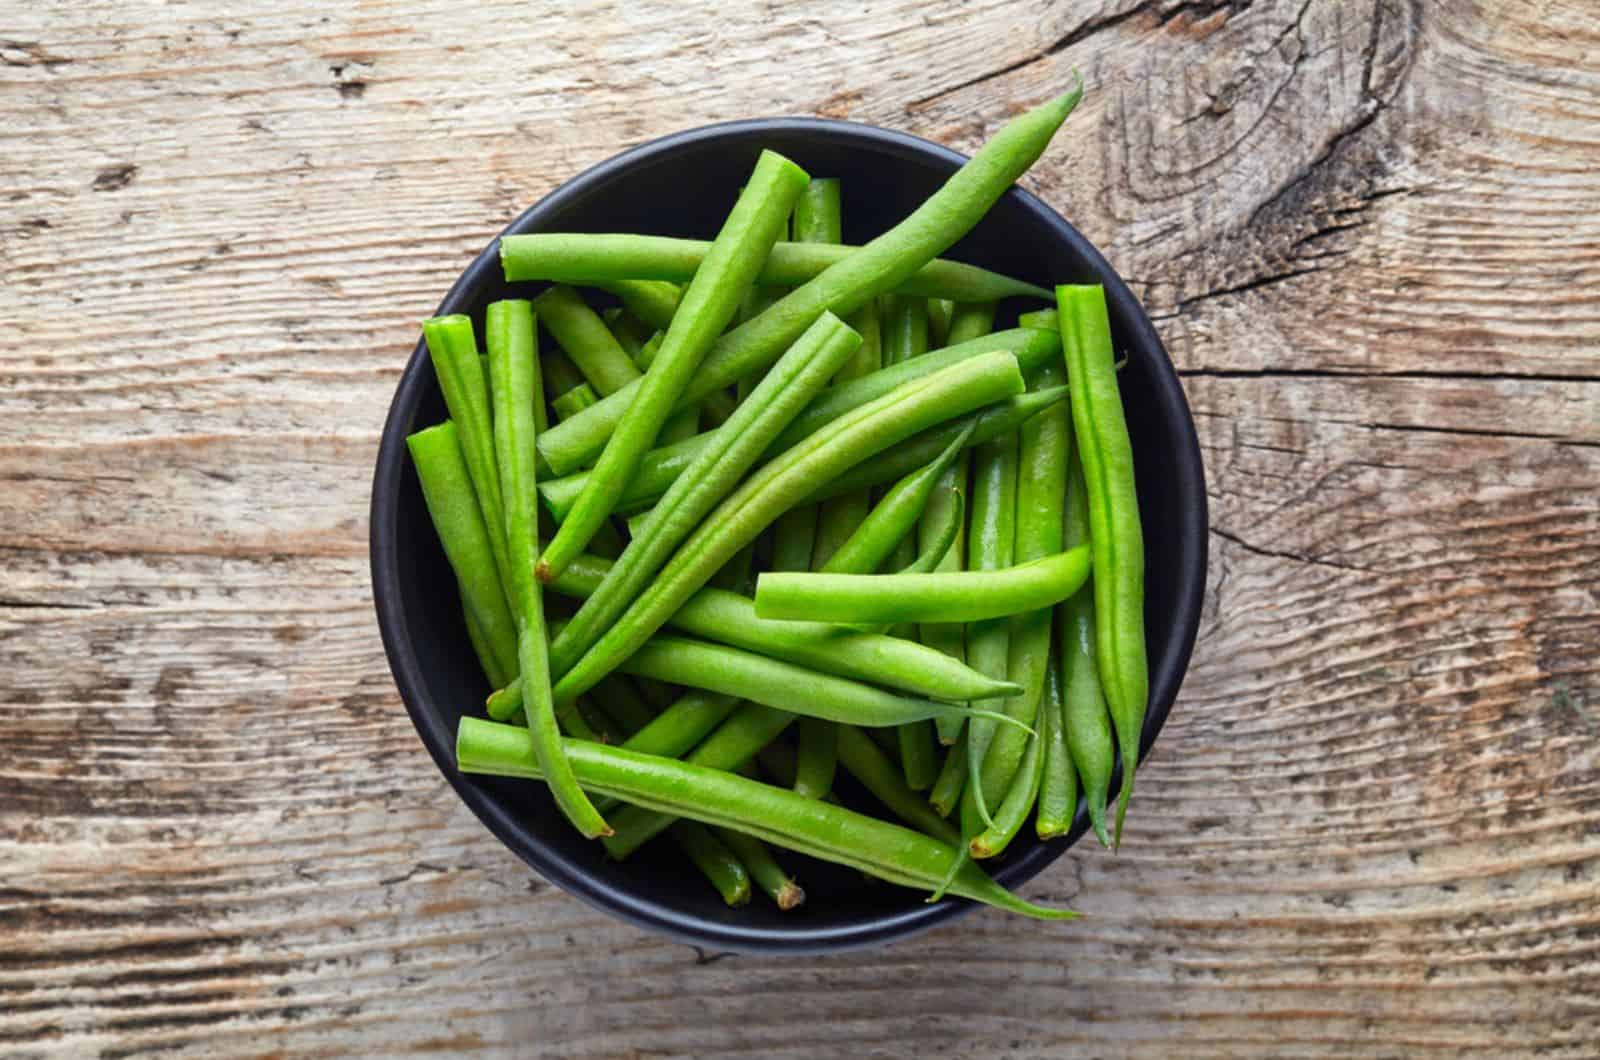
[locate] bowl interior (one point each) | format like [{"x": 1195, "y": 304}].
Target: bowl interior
[{"x": 683, "y": 185}]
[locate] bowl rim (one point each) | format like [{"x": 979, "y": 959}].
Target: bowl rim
[{"x": 1186, "y": 469}]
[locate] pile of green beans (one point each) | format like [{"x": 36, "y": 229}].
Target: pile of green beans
[{"x": 837, "y": 529}]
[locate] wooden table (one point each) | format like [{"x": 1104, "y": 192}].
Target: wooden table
[{"x": 1369, "y": 234}]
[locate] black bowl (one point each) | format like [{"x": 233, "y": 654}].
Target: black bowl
[{"x": 682, "y": 185}]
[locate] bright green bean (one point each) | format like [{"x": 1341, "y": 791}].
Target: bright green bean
[
  {"x": 817, "y": 757},
  {"x": 631, "y": 333},
  {"x": 794, "y": 535},
  {"x": 1019, "y": 801},
  {"x": 447, "y": 491},
  {"x": 749, "y": 232},
  {"x": 729, "y": 618},
  {"x": 775, "y": 683},
  {"x": 879, "y": 266},
  {"x": 513, "y": 361},
  {"x": 894, "y": 516},
  {"x": 574, "y": 401},
  {"x": 939, "y": 312},
  {"x": 1106, "y": 455},
  {"x": 586, "y": 340},
  {"x": 714, "y": 472},
  {"x": 942, "y": 515},
  {"x": 991, "y": 546},
  {"x": 963, "y": 596},
  {"x": 1044, "y": 452},
  {"x": 818, "y": 218},
  {"x": 663, "y": 465},
  {"x": 602, "y": 259},
  {"x": 1058, "y": 779},
  {"x": 779, "y": 485},
  {"x": 764, "y": 869},
  {"x": 1087, "y": 724},
  {"x": 454, "y": 352},
  {"x": 952, "y": 779},
  {"x": 713, "y": 857},
  {"x": 776, "y": 815},
  {"x": 841, "y": 515},
  {"x": 480, "y": 642}
]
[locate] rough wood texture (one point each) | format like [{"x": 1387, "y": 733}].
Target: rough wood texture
[{"x": 1372, "y": 826}]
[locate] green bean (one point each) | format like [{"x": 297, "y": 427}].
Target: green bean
[
  {"x": 996, "y": 421},
  {"x": 817, "y": 757},
  {"x": 1047, "y": 319},
  {"x": 1058, "y": 780},
  {"x": 1044, "y": 451},
  {"x": 602, "y": 259},
  {"x": 586, "y": 339},
  {"x": 778, "y": 485},
  {"x": 991, "y": 546},
  {"x": 454, "y": 352},
  {"x": 729, "y": 747},
  {"x": 970, "y": 320},
  {"x": 879, "y": 266},
  {"x": 942, "y": 540},
  {"x": 943, "y": 515},
  {"x": 712, "y": 856},
  {"x": 480, "y": 643},
  {"x": 749, "y": 232},
  {"x": 946, "y": 793},
  {"x": 662, "y": 465},
  {"x": 963, "y": 596},
  {"x": 764, "y": 869},
  {"x": 1018, "y": 802},
  {"x": 839, "y": 518},
  {"x": 863, "y": 759},
  {"x": 729, "y": 618},
  {"x": 714, "y": 472},
  {"x": 652, "y": 301},
  {"x": 895, "y": 514},
  {"x": 513, "y": 361},
  {"x": 1087, "y": 725},
  {"x": 776, "y": 815},
  {"x": 452, "y": 504},
  {"x": 939, "y": 312},
  {"x": 774, "y": 683},
  {"x": 818, "y": 218},
  {"x": 1106, "y": 455},
  {"x": 685, "y": 423}
]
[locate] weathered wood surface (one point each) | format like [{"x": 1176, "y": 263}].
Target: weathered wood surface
[{"x": 1369, "y": 230}]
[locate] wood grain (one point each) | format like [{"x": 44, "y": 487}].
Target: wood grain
[{"x": 1367, "y": 230}]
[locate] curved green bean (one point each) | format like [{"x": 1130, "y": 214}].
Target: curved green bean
[
  {"x": 708, "y": 303},
  {"x": 1018, "y": 802},
  {"x": 963, "y": 596},
  {"x": 894, "y": 516},
  {"x": 1106, "y": 455},
  {"x": 1058, "y": 780},
  {"x": 775, "y": 683},
  {"x": 779, "y": 485},
  {"x": 945, "y": 795},
  {"x": 877, "y": 267},
  {"x": 707, "y": 481},
  {"x": 776, "y": 815},
  {"x": 602, "y": 259},
  {"x": 1087, "y": 724},
  {"x": 1043, "y": 453},
  {"x": 513, "y": 362},
  {"x": 728, "y": 618}
]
